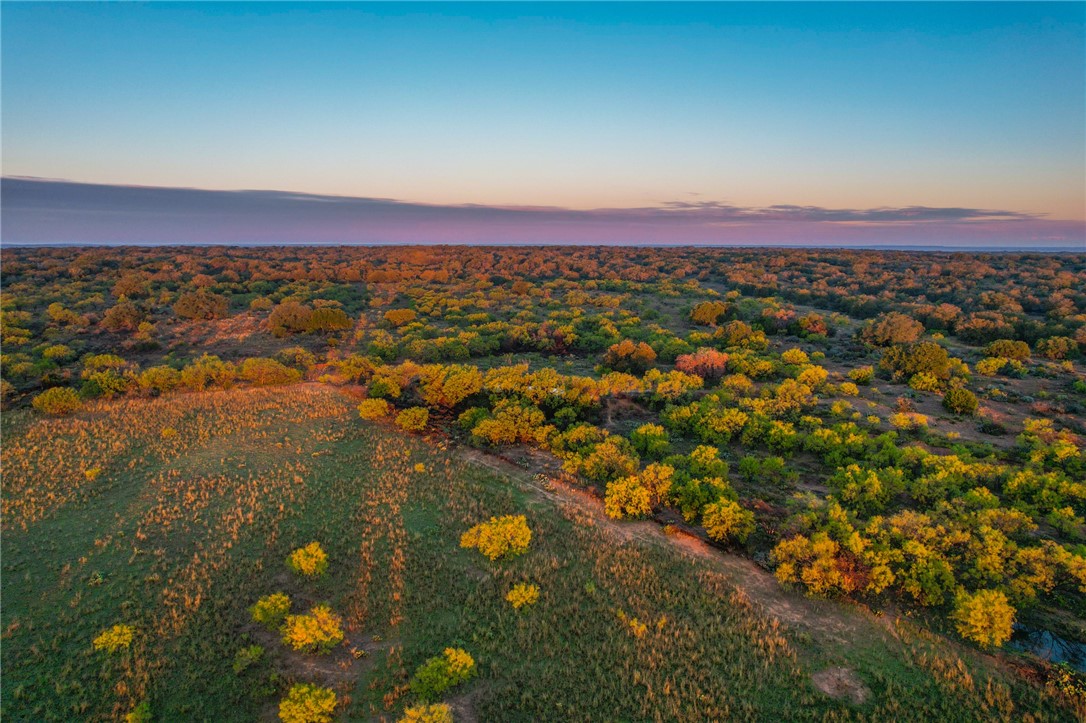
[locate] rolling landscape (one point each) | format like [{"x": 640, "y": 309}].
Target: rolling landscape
[{"x": 586, "y": 365}]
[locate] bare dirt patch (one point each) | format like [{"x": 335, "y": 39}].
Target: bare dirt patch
[{"x": 842, "y": 684}]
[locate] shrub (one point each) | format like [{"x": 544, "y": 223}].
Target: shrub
[
  {"x": 263, "y": 372},
  {"x": 373, "y": 409},
  {"x": 1008, "y": 349},
  {"x": 271, "y": 610},
  {"x": 1057, "y": 347},
  {"x": 794, "y": 356},
  {"x": 413, "y": 419},
  {"x": 522, "y": 594},
  {"x": 960, "y": 401},
  {"x": 891, "y": 328},
  {"x": 399, "y": 317},
  {"x": 908, "y": 420},
  {"x": 246, "y": 657},
  {"x": 505, "y": 536},
  {"x": 708, "y": 312},
  {"x": 201, "y": 304},
  {"x": 159, "y": 380},
  {"x": 627, "y": 497},
  {"x": 862, "y": 375},
  {"x": 140, "y": 714},
  {"x": 428, "y": 713},
  {"x": 57, "y": 352},
  {"x": 650, "y": 440},
  {"x": 627, "y": 356},
  {"x": 706, "y": 362},
  {"x": 725, "y": 520},
  {"x": 58, "y": 401},
  {"x": 317, "y": 632},
  {"x": 849, "y": 389},
  {"x": 310, "y": 560},
  {"x": 985, "y": 617},
  {"x": 925, "y": 382},
  {"x": 308, "y": 703},
  {"x": 442, "y": 672},
  {"x": 117, "y": 638}
]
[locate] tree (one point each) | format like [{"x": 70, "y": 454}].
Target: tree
[
  {"x": 448, "y": 386},
  {"x": 500, "y": 537},
  {"x": 124, "y": 316},
  {"x": 725, "y": 520},
  {"x": 58, "y": 401},
  {"x": 399, "y": 317},
  {"x": 1008, "y": 349},
  {"x": 706, "y": 363},
  {"x": 413, "y": 419},
  {"x": 986, "y": 617},
  {"x": 650, "y": 441},
  {"x": 707, "y": 313},
  {"x": 308, "y": 703},
  {"x": 960, "y": 401},
  {"x": 627, "y": 356},
  {"x": 264, "y": 372},
  {"x": 316, "y": 632},
  {"x": 201, "y": 305},
  {"x": 328, "y": 319},
  {"x": 627, "y": 497},
  {"x": 903, "y": 361},
  {"x": 891, "y": 328}
]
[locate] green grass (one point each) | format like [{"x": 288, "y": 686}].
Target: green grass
[{"x": 178, "y": 536}]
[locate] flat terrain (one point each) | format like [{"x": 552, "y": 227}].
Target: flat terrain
[{"x": 174, "y": 515}]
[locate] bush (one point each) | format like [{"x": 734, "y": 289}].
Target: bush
[
  {"x": 140, "y": 714},
  {"x": 522, "y": 594},
  {"x": 505, "y": 536},
  {"x": 246, "y": 657},
  {"x": 1008, "y": 349},
  {"x": 627, "y": 497},
  {"x": 399, "y": 317},
  {"x": 794, "y": 356},
  {"x": 308, "y": 703},
  {"x": 892, "y": 328},
  {"x": 862, "y": 375},
  {"x": 985, "y": 617},
  {"x": 373, "y": 409},
  {"x": 317, "y": 632},
  {"x": 271, "y": 610},
  {"x": 117, "y": 638},
  {"x": 627, "y": 356},
  {"x": 960, "y": 401},
  {"x": 442, "y": 672},
  {"x": 310, "y": 560},
  {"x": 413, "y": 419},
  {"x": 58, "y": 401},
  {"x": 650, "y": 440},
  {"x": 263, "y": 372},
  {"x": 201, "y": 305},
  {"x": 725, "y": 520},
  {"x": 432, "y": 713}
]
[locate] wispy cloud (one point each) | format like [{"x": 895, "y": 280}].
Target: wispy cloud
[{"x": 51, "y": 211}]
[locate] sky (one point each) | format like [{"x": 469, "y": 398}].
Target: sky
[{"x": 813, "y": 123}]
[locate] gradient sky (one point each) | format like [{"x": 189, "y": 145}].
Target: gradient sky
[{"x": 844, "y": 107}]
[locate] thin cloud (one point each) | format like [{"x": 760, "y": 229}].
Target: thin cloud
[{"x": 51, "y": 211}]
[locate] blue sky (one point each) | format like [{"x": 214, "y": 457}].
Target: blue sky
[{"x": 836, "y": 106}]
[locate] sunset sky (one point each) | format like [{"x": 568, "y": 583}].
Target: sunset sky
[{"x": 882, "y": 123}]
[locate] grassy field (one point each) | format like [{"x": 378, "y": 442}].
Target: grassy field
[{"x": 175, "y": 515}]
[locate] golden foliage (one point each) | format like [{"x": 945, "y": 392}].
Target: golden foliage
[
  {"x": 308, "y": 703},
  {"x": 319, "y": 631},
  {"x": 310, "y": 560},
  {"x": 505, "y": 536},
  {"x": 117, "y": 638},
  {"x": 522, "y": 594}
]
